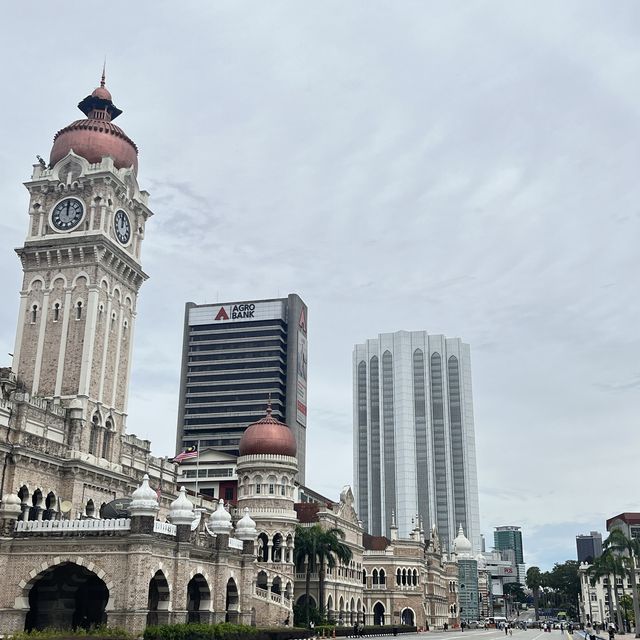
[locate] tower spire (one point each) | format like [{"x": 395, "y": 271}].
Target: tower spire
[{"x": 104, "y": 68}]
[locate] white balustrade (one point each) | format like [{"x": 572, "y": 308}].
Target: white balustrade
[
  {"x": 166, "y": 528},
  {"x": 262, "y": 593},
  {"x": 71, "y": 526}
]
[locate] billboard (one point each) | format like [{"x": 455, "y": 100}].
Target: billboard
[
  {"x": 301, "y": 370},
  {"x": 236, "y": 312}
]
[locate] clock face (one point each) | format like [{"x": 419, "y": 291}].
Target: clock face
[
  {"x": 122, "y": 226},
  {"x": 67, "y": 214}
]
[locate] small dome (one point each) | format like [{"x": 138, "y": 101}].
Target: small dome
[
  {"x": 144, "y": 500},
  {"x": 482, "y": 561},
  {"x": 11, "y": 504},
  {"x": 268, "y": 436},
  {"x": 101, "y": 92},
  {"x": 220, "y": 520},
  {"x": 181, "y": 509},
  {"x": 246, "y": 527},
  {"x": 461, "y": 544}
]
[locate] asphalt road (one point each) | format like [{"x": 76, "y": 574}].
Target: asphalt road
[{"x": 491, "y": 634}]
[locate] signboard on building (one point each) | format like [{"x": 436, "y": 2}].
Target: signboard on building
[
  {"x": 236, "y": 312},
  {"x": 301, "y": 370}
]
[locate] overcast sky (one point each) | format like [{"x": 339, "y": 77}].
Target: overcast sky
[{"x": 468, "y": 168}]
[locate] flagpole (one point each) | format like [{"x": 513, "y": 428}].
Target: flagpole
[{"x": 197, "y": 470}]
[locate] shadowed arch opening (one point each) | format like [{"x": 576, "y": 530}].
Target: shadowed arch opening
[
  {"x": 158, "y": 600},
  {"x": 407, "y": 617},
  {"x": 378, "y": 613},
  {"x": 198, "y": 599},
  {"x": 232, "y": 601},
  {"x": 67, "y": 596}
]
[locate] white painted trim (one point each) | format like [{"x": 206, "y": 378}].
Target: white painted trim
[
  {"x": 105, "y": 347},
  {"x": 63, "y": 342},
  {"x": 116, "y": 368},
  {"x": 41, "y": 332},
  {"x": 125, "y": 404},
  {"x": 22, "y": 319},
  {"x": 89, "y": 341}
]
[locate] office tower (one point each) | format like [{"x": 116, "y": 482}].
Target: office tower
[
  {"x": 235, "y": 357},
  {"x": 509, "y": 538},
  {"x": 589, "y": 547},
  {"x": 414, "y": 443}
]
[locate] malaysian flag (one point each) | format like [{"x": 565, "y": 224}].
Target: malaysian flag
[{"x": 187, "y": 454}]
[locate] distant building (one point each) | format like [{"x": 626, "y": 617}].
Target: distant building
[
  {"x": 628, "y": 522},
  {"x": 509, "y": 538},
  {"x": 235, "y": 357},
  {"x": 413, "y": 433},
  {"x": 589, "y": 547}
]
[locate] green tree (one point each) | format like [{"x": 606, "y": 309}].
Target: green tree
[
  {"x": 608, "y": 566},
  {"x": 304, "y": 557},
  {"x": 564, "y": 580},
  {"x": 330, "y": 550},
  {"x": 534, "y": 582},
  {"x": 629, "y": 550}
]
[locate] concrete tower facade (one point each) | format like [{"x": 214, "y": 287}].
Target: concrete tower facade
[{"x": 414, "y": 441}]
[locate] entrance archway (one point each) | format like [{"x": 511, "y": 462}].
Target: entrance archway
[
  {"x": 232, "y": 601},
  {"x": 158, "y": 600},
  {"x": 67, "y": 596},
  {"x": 198, "y": 598},
  {"x": 407, "y": 617},
  {"x": 378, "y": 613}
]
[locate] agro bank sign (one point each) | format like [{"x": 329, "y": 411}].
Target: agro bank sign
[{"x": 236, "y": 312}]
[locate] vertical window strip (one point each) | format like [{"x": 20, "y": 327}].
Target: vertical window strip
[
  {"x": 374, "y": 413},
  {"x": 439, "y": 450},
  {"x": 457, "y": 443},
  {"x": 389, "y": 436},
  {"x": 420, "y": 414},
  {"x": 363, "y": 452}
]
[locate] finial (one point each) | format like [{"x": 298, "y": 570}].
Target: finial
[
  {"x": 269, "y": 405},
  {"x": 393, "y": 518},
  {"x": 104, "y": 68}
]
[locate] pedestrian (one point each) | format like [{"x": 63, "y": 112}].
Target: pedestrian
[
  {"x": 506, "y": 629},
  {"x": 612, "y": 632},
  {"x": 355, "y": 629}
]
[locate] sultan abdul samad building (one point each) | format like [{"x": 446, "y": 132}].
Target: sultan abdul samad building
[{"x": 67, "y": 557}]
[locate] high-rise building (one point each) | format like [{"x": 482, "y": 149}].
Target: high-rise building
[
  {"x": 509, "y": 538},
  {"x": 236, "y": 357},
  {"x": 414, "y": 443},
  {"x": 589, "y": 547}
]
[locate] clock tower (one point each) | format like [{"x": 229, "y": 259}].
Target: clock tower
[{"x": 82, "y": 274}]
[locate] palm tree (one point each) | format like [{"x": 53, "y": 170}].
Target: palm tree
[
  {"x": 534, "y": 582},
  {"x": 330, "y": 550},
  {"x": 629, "y": 549},
  {"x": 607, "y": 566},
  {"x": 304, "y": 557}
]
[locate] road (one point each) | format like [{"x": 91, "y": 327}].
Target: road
[{"x": 493, "y": 634}]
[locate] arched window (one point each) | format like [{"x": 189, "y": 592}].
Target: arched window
[
  {"x": 34, "y": 314},
  {"x": 364, "y": 576},
  {"x": 398, "y": 576},
  {"x": 56, "y": 312},
  {"x": 258, "y": 484},
  {"x": 404, "y": 577},
  {"x": 375, "y": 576},
  {"x": 106, "y": 439},
  {"x": 383, "y": 577},
  {"x": 79, "y": 310},
  {"x": 93, "y": 436}
]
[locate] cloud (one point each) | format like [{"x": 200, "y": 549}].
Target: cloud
[{"x": 467, "y": 168}]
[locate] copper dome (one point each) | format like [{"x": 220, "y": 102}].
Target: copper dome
[
  {"x": 268, "y": 436},
  {"x": 96, "y": 137}
]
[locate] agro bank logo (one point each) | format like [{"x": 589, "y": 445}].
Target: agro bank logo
[{"x": 238, "y": 312}]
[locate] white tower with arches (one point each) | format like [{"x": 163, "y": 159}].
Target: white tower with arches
[{"x": 266, "y": 470}]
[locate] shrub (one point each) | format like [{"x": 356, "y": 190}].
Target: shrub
[
  {"x": 222, "y": 631},
  {"x": 99, "y": 633}
]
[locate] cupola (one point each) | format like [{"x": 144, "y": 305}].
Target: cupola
[
  {"x": 181, "y": 509},
  {"x": 268, "y": 436},
  {"x": 220, "y": 520},
  {"x": 96, "y": 136},
  {"x": 144, "y": 500}
]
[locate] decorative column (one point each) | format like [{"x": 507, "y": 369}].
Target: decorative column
[{"x": 182, "y": 515}]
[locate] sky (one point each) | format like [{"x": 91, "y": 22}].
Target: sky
[{"x": 467, "y": 168}]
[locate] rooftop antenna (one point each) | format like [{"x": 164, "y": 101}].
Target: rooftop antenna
[{"x": 104, "y": 68}]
